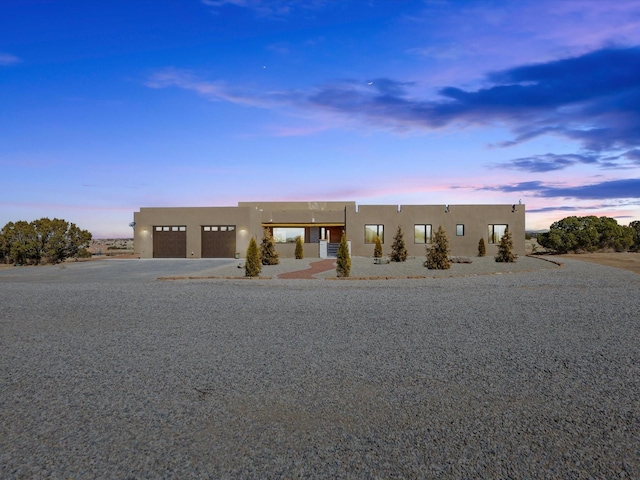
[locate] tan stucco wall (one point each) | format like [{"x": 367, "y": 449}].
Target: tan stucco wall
[
  {"x": 475, "y": 219},
  {"x": 193, "y": 218}
]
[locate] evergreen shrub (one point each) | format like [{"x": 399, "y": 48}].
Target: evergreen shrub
[
  {"x": 343, "y": 267},
  {"x": 438, "y": 254},
  {"x": 252, "y": 266},
  {"x": 299, "y": 253},
  {"x": 268, "y": 254},
  {"x": 505, "y": 249},
  {"x": 398, "y": 249},
  {"x": 482, "y": 248}
]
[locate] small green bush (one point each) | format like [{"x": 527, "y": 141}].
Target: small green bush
[
  {"x": 482, "y": 248},
  {"x": 268, "y": 254},
  {"x": 505, "y": 249},
  {"x": 299, "y": 253},
  {"x": 377, "y": 249},
  {"x": 438, "y": 254},
  {"x": 252, "y": 266},
  {"x": 343, "y": 267},
  {"x": 398, "y": 249}
]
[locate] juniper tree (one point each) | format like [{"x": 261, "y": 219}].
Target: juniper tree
[
  {"x": 268, "y": 254},
  {"x": 398, "y": 249},
  {"x": 252, "y": 265},
  {"x": 299, "y": 253},
  {"x": 343, "y": 264},
  {"x": 505, "y": 249},
  {"x": 438, "y": 254},
  {"x": 482, "y": 248},
  {"x": 377, "y": 249}
]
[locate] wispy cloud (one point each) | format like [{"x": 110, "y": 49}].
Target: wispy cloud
[
  {"x": 6, "y": 59},
  {"x": 610, "y": 189},
  {"x": 267, "y": 8},
  {"x": 593, "y": 99}
]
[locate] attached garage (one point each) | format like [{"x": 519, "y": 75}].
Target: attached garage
[
  {"x": 218, "y": 241},
  {"x": 170, "y": 241}
]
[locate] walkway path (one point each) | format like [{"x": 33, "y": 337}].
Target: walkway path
[{"x": 314, "y": 267}]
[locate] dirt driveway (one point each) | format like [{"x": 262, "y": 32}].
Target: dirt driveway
[{"x": 626, "y": 260}]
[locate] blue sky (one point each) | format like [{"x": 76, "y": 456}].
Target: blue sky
[{"x": 106, "y": 107}]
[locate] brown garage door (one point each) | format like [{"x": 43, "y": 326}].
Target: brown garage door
[
  {"x": 170, "y": 241},
  {"x": 218, "y": 241}
]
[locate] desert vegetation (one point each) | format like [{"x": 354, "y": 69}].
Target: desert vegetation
[
  {"x": 377, "y": 248},
  {"x": 343, "y": 263},
  {"x": 42, "y": 241},
  {"x": 505, "y": 249},
  {"x": 252, "y": 266},
  {"x": 482, "y": 248},
  {"x": 590, "y": 234},
  {"x": 438, "y": 253},
  {"x": 398, "y": 248},
  {"x": 268, "y": 254},
  {"x": 299, "y": 253}
]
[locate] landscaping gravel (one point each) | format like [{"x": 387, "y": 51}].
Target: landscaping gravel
[{"x": 107, "y": 372}]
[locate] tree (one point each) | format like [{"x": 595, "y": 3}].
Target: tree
[
  {"x": 505, "y": 249},
  {"x": 398, "y": 248},
  {"x": 438, "y": 254},
  {"x": 377, "y": 249},
  {"x": 299, "y": 253},
  {"x": 21, "y": 242},
  {"x": 42, "y": 240},
  {"x": 343, "y": 264},
  {"x": 589, "y": 234},
  {"x": 482, "y": 248},
  {"x": 268, "y": 253},
  {"x": 252, "y": 266},
  {"x": 635, "y": 235}
]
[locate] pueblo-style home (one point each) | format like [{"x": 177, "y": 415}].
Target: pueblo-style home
[{"x": 224, "y": 232}]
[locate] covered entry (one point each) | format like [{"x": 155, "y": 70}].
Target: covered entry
[
  {"x": 218, "y": 241},
  {"x": 170, "y": 241}
]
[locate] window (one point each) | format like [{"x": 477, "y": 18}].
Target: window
[
  {"x": 287, "y": 234},
  {"x": 459, "y": 230},
  {"x": 218, "y": 228},
  {"x": 173, "y": 228},
  {"x": 496, "y": 232},
  {"x": 422, "y": 234},
  {"x": 373, "y": 231}
]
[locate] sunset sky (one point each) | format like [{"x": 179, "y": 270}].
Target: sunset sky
[{"x": 109, "y": 106}]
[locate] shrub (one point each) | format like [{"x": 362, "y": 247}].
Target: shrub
[
  {"x": 589, "y": 233},
  {"x": 268, "y": 254},
  {"x": 635, "y": 235},
  {"x": 252, "y": 266},
  {"x": 299, "y": 250},
  {"x": 505, "y": 249},
  {"x": 377, "y": 249},
  {"x": 438, "y": 254},
  {"x": 482, "y": 248},
  {"x": 343, "y": 267},
  {"x": 42, "y": 240},
  {"x": 398, "y": 249}
]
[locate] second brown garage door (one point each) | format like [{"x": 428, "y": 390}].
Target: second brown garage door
[{"x": 218, "y": 241}]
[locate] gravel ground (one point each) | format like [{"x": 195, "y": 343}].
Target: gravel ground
[
  {"x": 106, "y": 372},
  {"x": 363, "y": 267}
]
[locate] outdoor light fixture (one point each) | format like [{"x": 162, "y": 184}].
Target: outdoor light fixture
[
  {"x": 446, "y": 209},
  {"x": 513, "y": 209}
]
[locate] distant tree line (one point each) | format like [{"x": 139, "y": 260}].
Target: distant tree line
[
  {"x": 42, "y": 241},
  {"x": 590, "y": 234}
]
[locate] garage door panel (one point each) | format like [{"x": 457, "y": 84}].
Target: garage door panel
[
  {"x": 218, "y": 241},
  {"x": 171, "y": 243}
]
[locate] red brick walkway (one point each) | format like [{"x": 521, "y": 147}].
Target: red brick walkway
[{"x": 314, "y": 267}]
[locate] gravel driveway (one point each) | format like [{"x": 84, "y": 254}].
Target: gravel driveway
[{"x": 107, "y": 372}]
